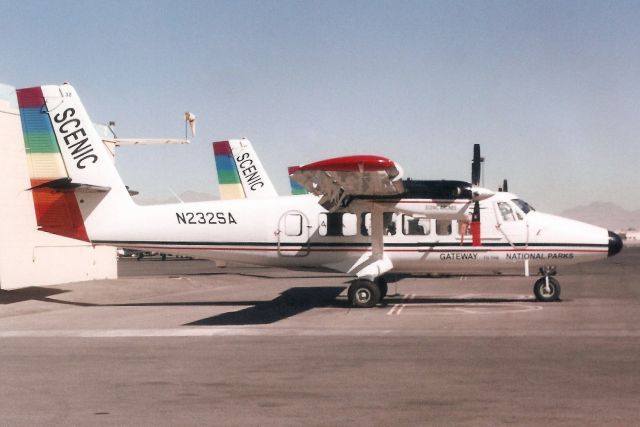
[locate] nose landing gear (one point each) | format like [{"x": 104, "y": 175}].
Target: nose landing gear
[{"x": 547, "y": 288}]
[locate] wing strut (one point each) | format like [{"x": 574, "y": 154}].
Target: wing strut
[
  {"x": 377, "y": 232},
  {"x": 374, "y": 265}
]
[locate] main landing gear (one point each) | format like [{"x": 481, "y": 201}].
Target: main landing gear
[
  {"x": 547, "y": 288},
  {"x": 364, "y": 293}
]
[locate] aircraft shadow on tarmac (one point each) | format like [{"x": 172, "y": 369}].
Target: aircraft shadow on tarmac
[
  {"x": 289, "y": 303},
  {"x": 295, "y": 301},
  {"x": 30, "y": 293}
]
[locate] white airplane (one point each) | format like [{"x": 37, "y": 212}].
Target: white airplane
[{"x": 360, "y": 217}]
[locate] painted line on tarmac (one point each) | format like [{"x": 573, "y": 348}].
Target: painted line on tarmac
[
  {"x": 397, "y": 308},
  {"x": 241, "y": 331},
  {"x": 471, "y": 308}
]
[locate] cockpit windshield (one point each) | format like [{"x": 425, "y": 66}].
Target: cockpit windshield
[{"x": 524, "y": 206}]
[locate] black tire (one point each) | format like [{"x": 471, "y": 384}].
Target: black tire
[
  {"x": 382, "y": 284},
  {"x": 542, "y": 295},
  {"x": 364, "y": 294}
]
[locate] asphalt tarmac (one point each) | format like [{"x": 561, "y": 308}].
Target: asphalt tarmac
[{"x": 186, "y": 343}]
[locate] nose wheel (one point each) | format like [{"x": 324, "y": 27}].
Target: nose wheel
[
  {"x": 547, "y": 289},
  {"x": 364, "y": 293}
]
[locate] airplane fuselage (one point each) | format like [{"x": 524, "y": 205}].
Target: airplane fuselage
[{"x": 294, "y": 231}]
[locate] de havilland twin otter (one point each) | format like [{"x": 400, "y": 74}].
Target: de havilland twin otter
[{"x": 360, "y": 217}]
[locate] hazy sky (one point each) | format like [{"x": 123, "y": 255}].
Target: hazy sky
[{"x": 550, "y": 89}]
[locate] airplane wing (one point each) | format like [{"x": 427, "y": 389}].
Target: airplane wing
[{"x": 339, "y": 179}]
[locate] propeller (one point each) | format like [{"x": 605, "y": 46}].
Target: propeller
[
  {"x": 476, "y": 169},
  {"x": 476, "y": 165}
]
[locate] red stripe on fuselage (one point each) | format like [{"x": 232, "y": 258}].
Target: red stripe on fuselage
[{"x": 358, "y": 250}]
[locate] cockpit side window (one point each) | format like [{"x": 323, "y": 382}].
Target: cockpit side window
[
  {"x": 506, "y": 212},
  {"x": 524, "y": 206}
]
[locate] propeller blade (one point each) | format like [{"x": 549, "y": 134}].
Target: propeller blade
[
  {"x": 505, "y": 186},
  {"x": 476, "y": 165}
]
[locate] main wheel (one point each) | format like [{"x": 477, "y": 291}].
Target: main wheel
[
  {"x": 363, "y": 294},
  {"x": 382, "y": 284},
  {"x": 544, "y": 293}
]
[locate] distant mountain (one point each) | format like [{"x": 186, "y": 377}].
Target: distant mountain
[
  {"x": 607, "y": 215},
  {"x": 187, "y": 196}
]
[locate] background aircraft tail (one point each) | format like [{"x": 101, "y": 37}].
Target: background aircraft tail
[
  {"x": 240, "y": 171},
  {"x": 70, "y": 168},
  {"x": 296, "y": 188}
]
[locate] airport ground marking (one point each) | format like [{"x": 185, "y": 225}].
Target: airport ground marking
[
  {"x": 397, "y": 308},
  {"x": 226, "y": 331}
]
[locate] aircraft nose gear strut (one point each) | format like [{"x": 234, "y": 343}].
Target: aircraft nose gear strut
[{"x": 547, "y": 288}]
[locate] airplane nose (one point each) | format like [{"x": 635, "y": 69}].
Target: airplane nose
[{"x": 615, "y": 243}]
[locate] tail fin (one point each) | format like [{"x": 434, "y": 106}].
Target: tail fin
[
  {"x": 65, "y": 155},
  {"x": 240, "y": 171}
]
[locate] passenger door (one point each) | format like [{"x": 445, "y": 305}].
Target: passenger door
[{"x": 293, "y": 234}]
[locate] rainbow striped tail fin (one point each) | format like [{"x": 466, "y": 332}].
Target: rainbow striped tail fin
[
  {"x": 240, "y": 171},
  {"x": 296, "y": 188}
]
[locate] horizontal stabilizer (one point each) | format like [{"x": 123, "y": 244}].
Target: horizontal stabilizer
[
  {"x": 65, "y": 184},
  {"x": 144, "y": 141}
]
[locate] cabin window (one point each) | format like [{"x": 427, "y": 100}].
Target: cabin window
[
  {"x": 293, "y": 225},
  {"x": 506, "y": 212},
  {"x": 349, "y": 224},
  {"x": 388, "y": 223},
  {"x": 443, "y": 227},
  {"x": 415, "y": 226},
  {"x": 365, "y": 224},
  {"x": 338, "y": 224}
]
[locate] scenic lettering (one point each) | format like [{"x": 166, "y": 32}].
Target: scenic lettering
[
  {"x": 205, "y": 218},
  {"x": 75, "y": 138},
  {"x": 249, "y": 171}
]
